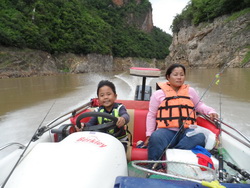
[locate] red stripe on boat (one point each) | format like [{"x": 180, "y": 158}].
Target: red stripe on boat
[{"x": 143, "y": 68}]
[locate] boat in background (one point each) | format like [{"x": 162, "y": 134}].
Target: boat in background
[{"x": 58, "y": 156}]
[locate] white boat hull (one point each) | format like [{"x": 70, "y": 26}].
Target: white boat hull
[
  {"x": 83, "y": 159},
  {"x": 238, "y": 152}
]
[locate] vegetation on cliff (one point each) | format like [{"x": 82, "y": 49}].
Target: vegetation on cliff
[
  {"x": 80, "y": 27},
  {"x": 198, "y": 11}
]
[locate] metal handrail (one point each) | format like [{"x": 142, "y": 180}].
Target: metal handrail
[
  {"x": 80, "y": 108},
  {"x": 183, "y": 176},
  {"x": 236, "y": 130},
  {"x": 236, "y": 138},
  {"x": 246, "y": 142},
  {"x": 59, "y": 120},
  {"x": 21, "y": 146}
]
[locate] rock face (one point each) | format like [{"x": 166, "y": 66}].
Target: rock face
[
  {"x": 123, "y": 2},
  {"x": 224, "y": 41},
  {"x": 106, "y": 63},
  {"x": 92, "y": 63},
  {"x": 15, "y": 62},
  {"x": 143, "y": 21},
  {"x": 120, "y": 2}
]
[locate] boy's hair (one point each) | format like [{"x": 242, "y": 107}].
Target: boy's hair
[{"x": 106, "y": 83}]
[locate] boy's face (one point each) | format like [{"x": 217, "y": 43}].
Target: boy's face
[{"x": 106, "y": 97}]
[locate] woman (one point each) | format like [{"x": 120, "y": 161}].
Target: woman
[{"x": 172, "y": 109}]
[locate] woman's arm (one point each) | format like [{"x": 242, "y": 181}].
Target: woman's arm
[{"x": 200, "y": 106}]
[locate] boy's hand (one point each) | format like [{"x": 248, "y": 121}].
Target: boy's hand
[
  {"x": 77, "y": 129},
  {"x": 120, "y": 122}
]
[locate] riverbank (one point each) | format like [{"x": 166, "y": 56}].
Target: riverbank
[{"x": 15, "y": 62}]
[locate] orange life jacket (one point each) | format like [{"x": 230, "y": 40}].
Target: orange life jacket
[{"x": 176, "y": 109}]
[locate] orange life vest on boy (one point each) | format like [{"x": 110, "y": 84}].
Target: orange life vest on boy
[{"x": 176, "y": 109}]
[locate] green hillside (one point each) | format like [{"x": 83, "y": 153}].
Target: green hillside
[
  {"x": 80, "y": 27},
  {"x": 198, "y": 11}
]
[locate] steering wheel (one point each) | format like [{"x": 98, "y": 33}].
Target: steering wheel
[{"x": 100, "y": 127}]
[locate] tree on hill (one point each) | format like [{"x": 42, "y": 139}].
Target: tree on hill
[{"x": 198, "y": 11}]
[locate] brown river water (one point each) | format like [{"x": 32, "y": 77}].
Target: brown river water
[{"x": 26, "y": 101}]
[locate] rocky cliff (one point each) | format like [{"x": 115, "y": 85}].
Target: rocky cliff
[
  {"x": 225, "y": 41},
  {"x": 143, "y": 21}
]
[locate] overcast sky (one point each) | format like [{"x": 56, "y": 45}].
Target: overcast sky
[{"x": 164, "y": 12}]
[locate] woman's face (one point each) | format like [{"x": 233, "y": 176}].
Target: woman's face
[
  {"x": 176, "y": 78},
  {"x": 106, "y": 97}
]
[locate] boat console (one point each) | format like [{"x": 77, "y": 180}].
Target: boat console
[{"x": 143, "y": 92}]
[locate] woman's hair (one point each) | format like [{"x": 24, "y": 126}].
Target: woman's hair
[
  {"x": 172, "y": 67},
  {"x": 106, "y": 83}
]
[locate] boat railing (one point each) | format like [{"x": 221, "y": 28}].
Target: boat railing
[
  {"x": 20, "y": 146},
  {"x": 177, "y": 170},
  {"x": 69, "y": 114},
  {"x": 237, "y": 138},
  {"x": 61, "y": 119},
  {"x": 245, "y": 140},
  {"x": 234, "y": 129}
]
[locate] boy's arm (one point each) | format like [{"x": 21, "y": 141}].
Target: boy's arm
[
  {"x": 123, "y": 113},
  {"x": 92, "y": 121}
]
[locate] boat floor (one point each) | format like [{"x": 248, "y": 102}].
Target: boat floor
[{"x": 137, "y": 182}]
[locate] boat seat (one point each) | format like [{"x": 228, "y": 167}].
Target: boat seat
[
  {"x": 84, "y": 120},
  {"x": 138, "y": 111},
  {"x": 138, "y": 130},
  {"x": 206, "y": 124}
]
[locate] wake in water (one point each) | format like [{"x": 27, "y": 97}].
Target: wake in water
[{"x": 126, "y": 92}]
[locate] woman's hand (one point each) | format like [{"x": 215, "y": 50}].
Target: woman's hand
[
  {"x": 213, "y": 116},
  {"x": 146, "y": 141},
  {"x": 77, "y": 129},
  {"x": 121, "y": 121}
]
